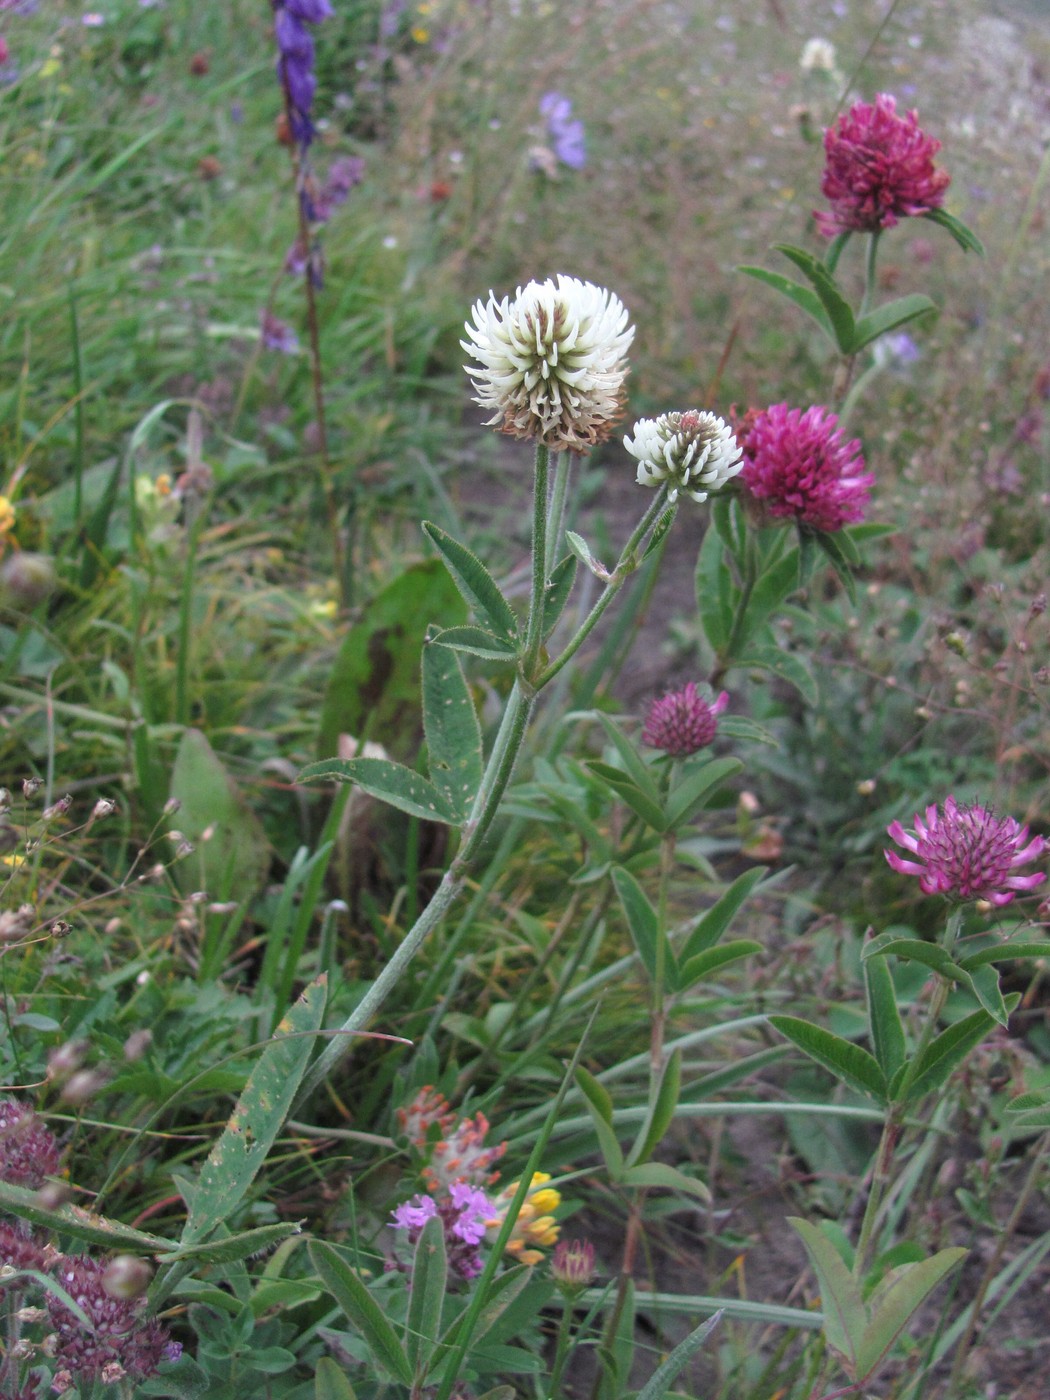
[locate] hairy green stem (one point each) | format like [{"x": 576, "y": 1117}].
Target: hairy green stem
[{"x": 534, "y": 627}]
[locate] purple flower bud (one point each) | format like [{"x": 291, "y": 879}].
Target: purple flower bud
[{"x": 278, "y": 335}]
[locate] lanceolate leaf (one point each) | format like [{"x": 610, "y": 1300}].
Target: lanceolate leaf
[
  {"x": 950, "y": 1048},
  {"x": 599, "y": 1106},
  {"x": 658, "y": 1384},
  {"x": 721, "y": 914},
  {"x": 845, "y": 1316},
  {"x": 556, "y": 594},
  {"x": 475, "y": 641},
  {"x": 693, "y": 970},
  {"x": 453, "y": 734},
  {"x": 848, "y": 1062},
  {"x": 896, "y": 1301},
  {"x": 628, "y": 791},
  {"x": 475, "y": 583},
  {"x": 964, "y": 236},
  {"x": 802, "y": 296},
  {"x": 661, "y": 1111},
  {"x": 778, "y": 582},
  {"x": 633, "y": 762},
  {"x": 361, "y": 1309},
  {"x": 641, "y": 918},
  {"x": 887, "y": 318},
  {"x": 887, "y": 1031},
  {"x": 713, "y": 593},
  {"x": 390, "y": 782},
  {"x": 832, "y": 300},
  {"x": 698, "y": 780},
  {"x": 1004, "y": 952},
  {"x": 784, "y": 664},
  {"x": 426, "y": 1297},
  {"x": 80, "y": 1224}
]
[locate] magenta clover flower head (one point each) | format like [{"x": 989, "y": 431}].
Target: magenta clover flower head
[
  {"x": 28, "y": 1150},
  {"x": 682, "y": 722},
  {"x": 123, "y": 1339},
  {"x": 966, "y": 852},
  {"x": 800, "y": 466},
  {"x": 878, "y": 169}
]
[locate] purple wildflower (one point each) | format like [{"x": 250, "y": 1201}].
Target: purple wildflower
[
  {"x": 414, "y": 1214},
  {"x": 345, "y": 174},
  {"x": 799, "y": 466},
  {"x": 295, "y": 59},
  {"x": 463, "y": 1213},
  {"x": 566, "y": 133},
  {"x": 28, "y": 1150},
  {"x": 683, "y": 722},
  {"x": 278, "y": 335},
  {"x": 123, "y": 1340},
  {"x": 965, "y": 852},
  {"x": 473, "y": 1208}
]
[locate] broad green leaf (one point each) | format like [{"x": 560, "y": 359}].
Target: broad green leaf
[
  {"x": 985, "y": 984},
  {"x": 931, "y": 955},
  {"x": 701, "y": 965},
  {"x": 453, "y": 734},
  {"x": 737, "y": 727},
  {"x": 887, "y": 1030},
  {"x": 714, "y": 593},
  {"x": 556, "y": 593},
  {"x": 235, "y": 860},
  {"x": 475, "y": 641},
  {"x": 778, "y": 582},
  {"x": 663, "y": 1175},
  {"x": 582, "y": 551},
  {"x": 660, "y": 1111},
  {"x": 258, "y": 1117},
  {"x": 657, "y": 1385},
  {"x": 426, "y": 1297},
  {"x": 896, "y": 1301},
  {"x": 848, "y": 1062},
  {"x": 642, "y": 921},
  {"x": 950, "y": 1048},
  {"x": 475, "y": 583},
  {"x": 1005, "y": 952},
  {"x": 390, "y": 782},
  {"x": 716, "y": 921},
  {"x": 964, "y": 236},
  {"x": 887, "y": 318},
  {"x": 808, "y": 300},
  {"x": 786, "y": 665},
  {"x": 80, "y": 1224},
  {"x": 361, "y": 1309},
  {"x": 628, "y": 791},
  {"x": 599, "y": 1106},
  {"x": 330, "y": 1381},
  {"x": 834, "y": 303},
  {"x": 373, "y": 686},
  {"x": 839, "y": 556},
  {"x": 845, "y": 1316},
  {"x": 698, "y": 780}
]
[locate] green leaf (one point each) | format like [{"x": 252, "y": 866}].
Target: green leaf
[
  {"x": 235, "y": 860},
  {"x": 737, "y": 727},
  {"x": 964, "y": 236},
  {"x": 887, "y": 1030},
  {"x": 778, "y": 582},
  {"x": 950, "y": 1048},
  {"x": 931, "y": 955},
  {"x": 786, "y": 665},
  {"x": 556, "y": 593},
  {"x": 600, "y": 1108},
  {"x": 628, "y": 791},
  {"x": 838, "y": 556},
  {"x": 80, "y": 1224},
  {"x": 373, "y": 686},
  {"x": 666, "y": 1177},
  {"x": 258, "y": 1117},
  {"x": 663, "y": 528},
  {"x": 985, "y": 984},
  {"x": 894, "y": 1304},
  {"x": 453, "y": 734},
  {"x": 633, "y": 762},
  {"x": 834, "y": 250},
  {"x": 715, "y": 593},
  {"x": 361, "y": 1309},
  {"x": 695, "y": 969},
  {"x": 641, "y": 919},
  {"x": 832, "y": 300},
  {"x": 426, "y": 1297},
  {"x": 660, "y": 1112},
  {"x": 698, "y": 779},
  {"x": 658, "y": 1383},
  {"x": 582, "y": 551},
  {"x": 330, "y": 1381},
  {"x": 807, "y": 300},
  {"x": 848, "y": 1062},
  {"x": 1005, "y": 952},
  {"x": 887, "y": 318},
  {"x": 475, "y": 641},
  {"x": 718, "y": 918},
  {"x": 475, "y": 583},
  {"x": 229, "y": 1249},
  {"x": 845, "y": 1316},
  {"x": 390, "y": 782}
]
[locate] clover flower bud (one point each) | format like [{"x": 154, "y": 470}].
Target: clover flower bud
[
  {"x": 572, "y": 1265},
  {"x": 694, "y": 452}
]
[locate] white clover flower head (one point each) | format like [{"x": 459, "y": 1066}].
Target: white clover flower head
[
  {"x": 818, "y": 56},
  {"x": 552, "y": 362},
  {"x": 694, "y": 452}
]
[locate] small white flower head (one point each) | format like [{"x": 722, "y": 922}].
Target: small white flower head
[
  {"x": 552, "y": 362},
  {"x": 818, "y": 56},
  {"x": 694, "y": 452}
]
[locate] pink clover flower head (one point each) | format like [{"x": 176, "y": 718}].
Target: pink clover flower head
[
  {"x": 414, "y": 1214},
  {"x": 473, "y": 1210},
  {"x": 682, "y": 722},
  {"x": 966, "y": 852},
  {"x": 28, "y": 1150},
  {"x": 878, "y": 169},
  {"x": 802, "y": 467},
  {"x": 123, "y": 1340}
]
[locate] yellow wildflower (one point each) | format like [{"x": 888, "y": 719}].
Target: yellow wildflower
[
  {"x": 7, "y": 516},
  {"x": 535, "y": 1224}
]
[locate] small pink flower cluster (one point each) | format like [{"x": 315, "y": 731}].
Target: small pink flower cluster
[
  {"x": 966, "y": 852},
  {"x": 682, "y": 722},
  {"x": 878, "y": 169},
  {"x": 799, "y": 467}
]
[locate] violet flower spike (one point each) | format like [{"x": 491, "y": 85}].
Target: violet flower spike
[{"x": 967, "y": 853}]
